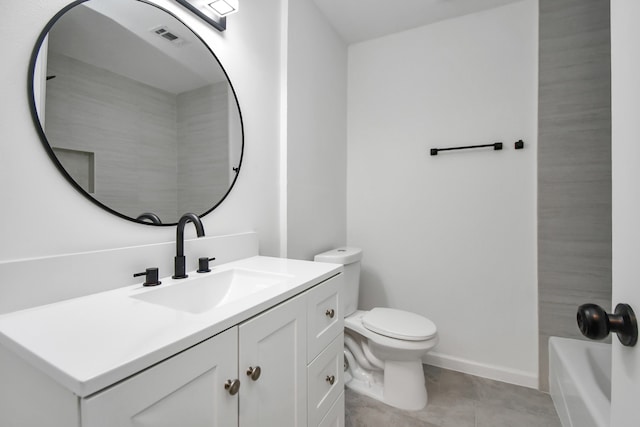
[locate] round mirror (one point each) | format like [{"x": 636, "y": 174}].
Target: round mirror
[{"x": 135, "y": 110}]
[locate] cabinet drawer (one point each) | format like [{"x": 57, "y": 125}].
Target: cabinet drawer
[
  {"x": 325, "y": 319},
  {"x": 326, "y": 368},
  {"x": 335, "y": 416}
]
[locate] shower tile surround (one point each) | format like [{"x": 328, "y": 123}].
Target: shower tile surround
[
  {"x": 168, "y": 183},
  {"x": 203, "y": 117},
  {"x": 458, "y": 400},
  {"x": 574, "y": 166}
]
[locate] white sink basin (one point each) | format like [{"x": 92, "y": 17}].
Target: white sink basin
[{"x": 201, "y": 293}]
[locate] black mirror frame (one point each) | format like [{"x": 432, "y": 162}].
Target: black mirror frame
[{"x": 45, "y": 141}]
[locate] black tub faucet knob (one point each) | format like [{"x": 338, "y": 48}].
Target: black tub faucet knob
[
  {"x": 203, "y": 264},
  {"x": 151, "y": 276}
]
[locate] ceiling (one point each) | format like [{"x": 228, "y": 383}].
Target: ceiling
[
  {"x": 117, "y": 35},
  {"x": 359, "y": 20}
]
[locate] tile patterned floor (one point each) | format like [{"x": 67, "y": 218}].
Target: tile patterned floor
[{"x": 458, "y": 400}]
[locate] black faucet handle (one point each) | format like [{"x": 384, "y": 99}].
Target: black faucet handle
[
  {"x": 203, "y": 264},
  {"x": 151, "y": 276}
]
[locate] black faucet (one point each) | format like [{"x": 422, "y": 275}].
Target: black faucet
[
  {"x": 155, "y": 219},
  {"x": 179, "y": 272}
]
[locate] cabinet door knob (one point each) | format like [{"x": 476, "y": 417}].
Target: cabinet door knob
[
  {"x": 232, "y": 386},
  {"x": 330, "y": 379},
  {"x": 330, "y": 313},
  {"x": 254, "y": 373}
]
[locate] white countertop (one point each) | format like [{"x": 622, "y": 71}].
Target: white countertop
[{"x": 91, "y": 342}]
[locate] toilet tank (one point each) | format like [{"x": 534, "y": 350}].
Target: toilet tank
[{"x": 350, "y": 259}]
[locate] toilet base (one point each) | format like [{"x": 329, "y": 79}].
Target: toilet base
[{"x": 401, "y": 385}]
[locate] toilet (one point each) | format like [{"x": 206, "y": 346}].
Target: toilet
[{"x": 383, "y": 347}]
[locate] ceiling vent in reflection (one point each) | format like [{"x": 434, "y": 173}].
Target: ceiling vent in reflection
[{"x": 166, "y": 34}]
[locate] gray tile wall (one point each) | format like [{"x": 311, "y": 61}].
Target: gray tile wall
[
  {"x": 574, "y": 166},
  {"x": 135, "y": 166},
  {"x": 203, "y": 147},
  {"x": 178, "y": 162}
]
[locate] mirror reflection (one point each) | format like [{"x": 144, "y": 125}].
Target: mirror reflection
[{"x": 137, "y": 110}]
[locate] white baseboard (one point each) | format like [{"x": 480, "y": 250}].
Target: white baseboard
[{"x": 492, "y": 372}]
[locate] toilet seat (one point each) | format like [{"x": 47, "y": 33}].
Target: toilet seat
[
  {"x": 399, "y": 324},
  {"x": 354, "y": 323}
]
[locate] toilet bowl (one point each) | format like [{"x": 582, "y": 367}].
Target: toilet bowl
[
  {"x": 392, "y": 354},
  {"x": 383, "y": 346}
]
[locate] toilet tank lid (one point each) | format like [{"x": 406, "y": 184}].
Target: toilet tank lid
[{"x": 344, "y": 255}]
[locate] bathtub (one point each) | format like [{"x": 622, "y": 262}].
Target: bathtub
[{"x": 580, "y": 381}]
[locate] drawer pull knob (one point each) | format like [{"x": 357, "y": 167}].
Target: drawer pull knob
[
  {"x": 254, "y": 373},
  {"x": 330, "y": 313},
  {"x": 232, "y": 386},
  {"x": 330, "y": 379}
]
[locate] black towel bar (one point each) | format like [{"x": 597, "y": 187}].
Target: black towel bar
[{"x": 495, "y": 145}]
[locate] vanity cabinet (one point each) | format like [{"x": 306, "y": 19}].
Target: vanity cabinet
[
  {"x": 288, "y": 361},
  {"x": 298, "y": 347},
  {"x": 188, "y": 389}
]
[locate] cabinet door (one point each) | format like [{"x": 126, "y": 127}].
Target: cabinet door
[
  {"x": 186, "y": 390},
  {"x": 275, "y": 341}
]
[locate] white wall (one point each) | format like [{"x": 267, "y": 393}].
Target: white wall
[
  {"x": 41, "y": 214},
  {"x": 453, "y": 236},
  {"x": 316, "y": 133}
]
